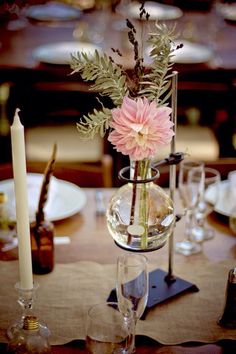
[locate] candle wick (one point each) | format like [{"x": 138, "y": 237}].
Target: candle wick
[{"x": 16, "y": 120}]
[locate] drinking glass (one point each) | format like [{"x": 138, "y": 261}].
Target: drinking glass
[
  {"x": 8, "y": 237},
  {"x": 8, "y": 240},
  {"x": 132, "y": 286},
  {"x": 232, "y": 220},
  {"x": 209, "y": 195},
  {"x": 17, "y": 18},
  {"x": 189, "y": 197},
  {"x": 108, "y": 331}
]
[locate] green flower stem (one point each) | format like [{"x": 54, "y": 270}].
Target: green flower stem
[
  {"x": 133, "y": 202},
  {"x": 141, "y": 169},
  {"x": 143, "y": 207}
]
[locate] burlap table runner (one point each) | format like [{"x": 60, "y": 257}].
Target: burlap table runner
[{"x": 65, "y": 295}]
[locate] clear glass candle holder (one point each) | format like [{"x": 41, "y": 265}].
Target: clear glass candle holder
[{"x": 26, "y": 299}]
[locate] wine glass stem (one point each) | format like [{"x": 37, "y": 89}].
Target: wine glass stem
[
  {"x": 133, "y": 337},
  {"x": 189, "y": 221},
  {"x": 131, "y": 322},
  {"x": 201, "y": 221}
]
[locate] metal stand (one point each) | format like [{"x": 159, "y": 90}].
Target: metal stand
[{"x": 165, "y": 285}]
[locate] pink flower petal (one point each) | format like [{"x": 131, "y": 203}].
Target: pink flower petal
[{"x": 140, "y": 127}]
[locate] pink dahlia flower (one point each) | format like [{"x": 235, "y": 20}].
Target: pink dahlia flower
[{"x": 140, "y": 128}]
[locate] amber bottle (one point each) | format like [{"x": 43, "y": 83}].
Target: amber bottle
[{"x": 42, "y": 247}]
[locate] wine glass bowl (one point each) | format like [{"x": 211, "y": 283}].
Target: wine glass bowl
[
  {"x": 209, "y": 195},
  {"x": 187, "y": 192},
  {"x": 132, "y": 285},
  {"x": 189, "y": 195},
  {"x": 8, "y": 234},
  {"x": 232, "y": 220}
]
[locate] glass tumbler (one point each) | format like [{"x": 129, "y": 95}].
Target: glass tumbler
[{"x": 108, "y": 331}]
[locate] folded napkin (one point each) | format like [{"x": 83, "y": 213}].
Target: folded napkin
[
  {"x": 34, "y": 183},
  {"x": 64, "y": 296},
  {"x": 227, "y": 195}
]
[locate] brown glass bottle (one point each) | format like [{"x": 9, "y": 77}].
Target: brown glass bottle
[
  {"x": 42, "y": 247},
  {"x": 228, "y": 319}
]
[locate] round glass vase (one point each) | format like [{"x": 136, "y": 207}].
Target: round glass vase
[{"x": 140, "y": 215}]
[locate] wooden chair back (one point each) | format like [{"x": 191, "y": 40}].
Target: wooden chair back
[{"x": 82, "y": 174}]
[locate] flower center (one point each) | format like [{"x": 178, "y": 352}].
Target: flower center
[{"x": 141, "y": 138}]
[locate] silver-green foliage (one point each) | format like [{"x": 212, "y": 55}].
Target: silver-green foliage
[
  {"x": 109, "y": 79},
  {"x": 95, "y": 123},
  {"x": 157, "y": 82}
]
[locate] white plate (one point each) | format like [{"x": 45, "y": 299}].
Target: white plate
[
  {"x": 192, "y": 53},
  {"x": 228, "y": 11},
  {"x": 225, "y": 203},
  {"x": 65, "y": 199},
  {"x": 60, "y": 53},
  {"x": 52, "y": 11},
  {"x": 157, "y": 11}
]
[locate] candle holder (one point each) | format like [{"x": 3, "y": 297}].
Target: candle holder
[{"x": 26, "y": 299}]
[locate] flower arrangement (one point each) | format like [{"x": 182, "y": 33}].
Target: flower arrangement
[{"x": 140, "y": 121}]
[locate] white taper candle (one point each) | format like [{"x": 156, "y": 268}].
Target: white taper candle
[{"x": 22, "y": 208}]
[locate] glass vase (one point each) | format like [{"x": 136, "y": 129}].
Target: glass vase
[{"x": 140, "y": 215}]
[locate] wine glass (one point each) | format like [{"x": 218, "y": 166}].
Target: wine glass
[
  {"x": 232, "y": 220},
  {"x": 209, "y": 195},
  {"x": 132, "y": 286},
  {"x": 8, "y": 238},
  {"x": 17, "y": 18},
  {"x": 189, "y": 196},
  {"x": 108, "y": 331}
]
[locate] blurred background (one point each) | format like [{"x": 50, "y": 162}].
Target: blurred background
[{"x": 36, "y": 40}]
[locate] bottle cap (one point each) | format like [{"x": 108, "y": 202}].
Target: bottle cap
[
  {"x": 30, "y": 323},
  {"x": 3, "y": 197}
]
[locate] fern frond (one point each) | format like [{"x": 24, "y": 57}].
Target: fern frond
[
  {"x": 94, "y": 123},
  {"x": 109, "y": 79},
  {"x": 156, "y": 83}
]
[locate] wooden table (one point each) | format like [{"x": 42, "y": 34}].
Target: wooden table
[
  {"x": 85, "y": 229},
  {"x": 17, "y": 46},
  {"x": 208, "y": 86},
  {"x": 91, "y": 241}
]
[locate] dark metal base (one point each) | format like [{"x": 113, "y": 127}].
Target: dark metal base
[{"x": 161, "y": 288}]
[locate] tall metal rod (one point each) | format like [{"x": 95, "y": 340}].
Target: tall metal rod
[{"x": 172, "y": 177}]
